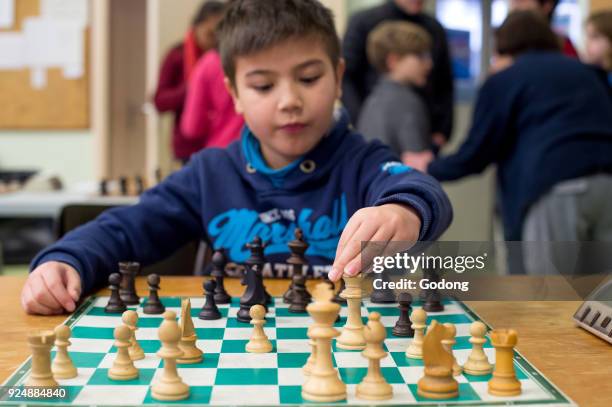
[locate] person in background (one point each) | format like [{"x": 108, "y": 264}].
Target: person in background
[
  {"x": 361, "y": 77},
  {"x": 395, "y": 113},
  {"x": 178, "y": 66},
  {"x": 599, "y": 42},
  {"x": 546, "y": 121},
  {"x": 547, "y": 9}
]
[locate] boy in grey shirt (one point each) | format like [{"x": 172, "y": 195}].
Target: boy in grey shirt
[{"x": 394, "y": 113}]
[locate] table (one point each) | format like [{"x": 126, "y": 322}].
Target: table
[{"x": 579, "y": 363}]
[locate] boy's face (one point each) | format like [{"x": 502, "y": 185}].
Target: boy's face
[
  {"x": 287, "y": 94},
  {"x": 597, "y": 46},
  {"x": 411, "y": 68}
]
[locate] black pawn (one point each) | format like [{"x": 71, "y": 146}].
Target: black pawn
[
  {"x": 403, "y": 326},
  {"x": 299, "y": 299},
  {"x": 104, "y": 187},
  {"x": 153, "y": 306},
  {"x": 115, "y": 305},
  {"x": 433, "y": 301},
  {"x": 127, "y": 291},
  {"x": 209, "y": 310},
  {"x": 337, "y": 298},
  {"x": 123, "y": 186},
  {"x": 139, "y": 184},
  {"x": 218, "y": 272}
]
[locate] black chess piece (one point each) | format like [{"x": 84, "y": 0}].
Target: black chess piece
[
  {"x": 433, "y": 300},
  {"x": 382, "y": 295},
  {"x": 153, "y": 306},
  {"x": 209, "y": 310},
  {"x": 297, "y": 260},
  {"x": 158, "y": 176},
  {"x": 254, "y": 293},
  {"x": 218, "y": 272},
  {"x": 123, "y": 185},
  {"x": 115, "y": 305},
  {"x": 257, "y": 247},
  {"x": 337, "y": 298},
  {"x": 104, "y": 187},
  {"x": 139, "y": 184},
  {"x": 127, "y": 291},
  {"x": 299, "y": 299},
  {"x": 403, "y": 326}
]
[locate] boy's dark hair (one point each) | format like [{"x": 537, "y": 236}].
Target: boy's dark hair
[
  {"x": 249, "y": 26},
  {"x": 524, "y": 31},
  {"x": 208, "y": 9},
  {"x": 396, "y": 37}
]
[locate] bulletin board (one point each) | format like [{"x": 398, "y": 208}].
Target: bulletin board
[{"x": 56, "y": 97}]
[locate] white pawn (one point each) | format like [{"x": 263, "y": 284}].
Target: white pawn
[
  {"x": 448, "y": 342},
  {"x": 477, "y": 363},
  {"x": 62, "y": 366},
  {"x": 419, "y": 323},
  {"x": 130, "y": 319},
  {"x": 123, "y": 368},
  {"x": 169, "y": 386},
  {"x": 259, "y": 342},
  {"x": 374, "y": 386}
]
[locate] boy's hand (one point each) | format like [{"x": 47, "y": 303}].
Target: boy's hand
[
  {"x": 50, "y": 289},
  {"x": 390, "y": 222}
]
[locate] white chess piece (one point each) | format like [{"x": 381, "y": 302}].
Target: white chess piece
[
  {"x": 419, "y": 320},
  {"x": 477, "y": 363},
  {"x": 62, "y": 366}
]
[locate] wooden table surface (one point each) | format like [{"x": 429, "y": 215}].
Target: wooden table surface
[{"x": 579, "y": 363}]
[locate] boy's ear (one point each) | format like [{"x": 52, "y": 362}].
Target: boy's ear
[
  {"x": 391, "y": 61},
  {"x": 340, "y": 69},
  {"x": 234, "y": 93}
]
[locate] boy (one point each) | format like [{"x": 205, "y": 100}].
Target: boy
[
  {"x": 295, "y": 165},
  {"x": 395, "y": 113}
]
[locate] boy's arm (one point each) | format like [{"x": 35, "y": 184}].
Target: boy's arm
[
  {"x": 171, "y": 89},
  {"x": 487, "y": 137},
  {"x": 167, "y": 217}
]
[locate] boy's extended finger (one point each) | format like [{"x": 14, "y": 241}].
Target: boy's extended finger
[
  {"x": 356, "y": 264},
  {"x": 56, "y": 286},
  {"x": 353, "y": 247},
  {"x": 31, "y": 306},
  {"x": 41, "y": 293},
  {"x": 352, "y": 225}
]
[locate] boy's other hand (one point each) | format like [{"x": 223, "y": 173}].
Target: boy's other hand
[
  {"x": 419, "y": 161},
  {"x": 390, "y": 222},
  {"x": 51, "y": 289}
]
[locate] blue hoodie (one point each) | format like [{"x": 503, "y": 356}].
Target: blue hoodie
[{"x": 227, "y": 200}]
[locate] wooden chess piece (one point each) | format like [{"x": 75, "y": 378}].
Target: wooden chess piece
[
  {"x": 169, "y": 387},
  {"x": 259, "y": 342},
  {"x": 127, "y": 290},
  {"x": 209, "y": 310},
  {"x": 297, "y": 260},
  {"x": 352, "y": 337},
  {"x": 153, "y": 306},
  {"x": 374, "y": 386},
  {"x": 123, "y": 367},
  {"x": 115, "y": 304},
  {"x": 62, "y": 366},
  {"x": 403, "y": 326},
  {"x": 218, "y": 273},
  {"x": 323, "y": 384},
  {"x": 103, "y": 187},
  {"x": 191, "y": 353},
  {"x": 254, "y": 293},
  {"x": 41, "y": 374},
  {"x": 309, "y": 365},
  {"x": 139, "y": 184},
  {"x": 438, "y": 381},
  {"x": 257, "y": 260},
  {"x": 299, "y": 298},
  {"x": 130, "y": 319},
  {"x": 504, "y": 382},
  {"x": 338, "y": 297},
  {"x": 477, "y": 363},
  {"x": 123, "y": 187},
  {"x": 419, "y": 323},
  {"x": 448, "y": 341},
  {"x": 433, "y": 299}
]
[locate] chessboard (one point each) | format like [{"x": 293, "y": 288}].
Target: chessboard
[{"x": 228, "y": 375}]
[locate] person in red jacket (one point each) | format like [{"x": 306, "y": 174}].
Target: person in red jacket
[
  {"x": 546, "y": 8},
  {"x": 177, "y": 68}
]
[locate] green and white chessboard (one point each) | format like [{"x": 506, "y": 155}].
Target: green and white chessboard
[{"x": 230, "y": 376}]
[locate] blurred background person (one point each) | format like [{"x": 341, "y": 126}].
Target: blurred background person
[
  {"x": 599, "y": 41},
  {"x": 547, "y": 9},
  {"x": 546, "y": 121},
  {"x": 394, "y": 112},
  {"x": 361, "y": 77},
  {"x": 178, "y": 67}
]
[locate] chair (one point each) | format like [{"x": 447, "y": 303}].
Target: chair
[{"x": 181, "y": 262}]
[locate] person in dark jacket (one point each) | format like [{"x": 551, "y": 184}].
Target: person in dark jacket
[
  {"x": 177, "y": 68},
  {"x": 546, "y": 121},
  {"x": 361, "y": 76}
]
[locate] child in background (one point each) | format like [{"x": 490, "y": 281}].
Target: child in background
[
  {"x": 297, "y": 165},
  {"x": 394, "y": 112},
  {"x": 599, "y": 41},
  {"x": 177, "y": 68}
]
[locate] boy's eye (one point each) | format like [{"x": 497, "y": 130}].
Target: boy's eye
[
  {"x": 262, "y": 88},
  {"x": 310, "y": 79}
]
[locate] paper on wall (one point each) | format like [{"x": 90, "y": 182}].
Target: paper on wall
[
  {"x": 65, "y": 10},
  {"x": 12, "y": 51},
  {"x": 7, "y": 13}
]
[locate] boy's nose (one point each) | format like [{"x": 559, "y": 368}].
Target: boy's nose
[{"x": 290, "y": 99}]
